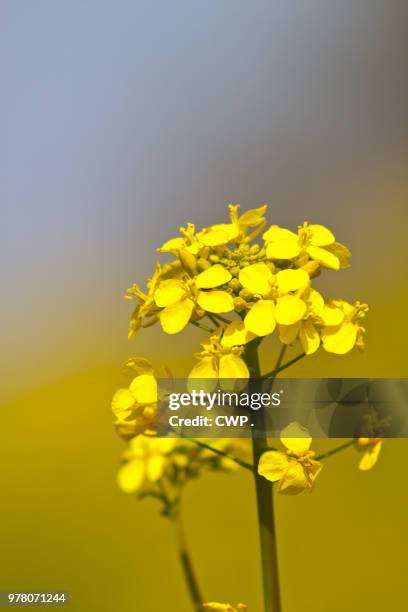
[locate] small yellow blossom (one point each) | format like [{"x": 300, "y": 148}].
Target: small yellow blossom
[
  {"x": 180, "y": 297},
  {"x": 308, "y": 329},
  {"x": 145, "y": 302},
  {"x": 236, "y": 230},
  {"x": 312, "y": 241},
  {"x": 145, "y": 460},
  {"x": 220, "y": 359},
  {"x": 276, "y": 295},
  {"x": 222, "y": 607},
  {"x": 341, "y": 338},
  {"x": 370, "y": 447},
  {"x": 294, "y": 469},
  {"x": 135, "y": 407}
]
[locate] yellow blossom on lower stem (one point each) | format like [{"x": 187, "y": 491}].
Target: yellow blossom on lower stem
[
  {"x": 222, "y": 607},
  {"x": 294, "y": 469},
  {"x": 340, "y": 339},
  {"x": 145, "y": 460},
  {"x": 371, "y": 448},
  {"x": 135, "y": 407}
]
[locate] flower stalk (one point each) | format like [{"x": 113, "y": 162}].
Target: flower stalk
[
  {"x": 187, "y": 565},
  {"x": 264, "y": 499}
]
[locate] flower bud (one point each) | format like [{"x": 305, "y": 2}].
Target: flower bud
[
  {"x": 188, "y": 260},
  {"x": 203, "y": 264}
]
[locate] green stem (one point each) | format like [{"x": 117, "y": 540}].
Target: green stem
[
  {"x": 333, "y": 451},
  {"x": 217, "y": 451},
  {"x": 187, "y": 566},
  {"x": 202, "y": 326},
  {"x": 278, "y": 369},
  {"x": 264, "y": 498},
  {"x": 220, "y": 318}
]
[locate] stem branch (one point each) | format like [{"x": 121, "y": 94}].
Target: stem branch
[
  {"x": 280, "y": 368},
  {"x": 333, "y": 451},
  {"x": 217, "y": 451},
  {"x": 187, "y": 566}
]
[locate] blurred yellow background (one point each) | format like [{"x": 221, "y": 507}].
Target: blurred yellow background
[{"x": 121, "y": 123}]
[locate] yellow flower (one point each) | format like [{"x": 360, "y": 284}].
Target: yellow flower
[
  {"x": 295, "y": 469},
  {"x": 221, "y": 359},
  {"x": 135, "y": 407},
  {"x": 370, "y": 447},
  {"x": 179, "y": 298},
  {"x": 145, "y": 460},
  {"x": 146, "y": 306},
  {"x": 308, "y": 329},
  {"x": 340, "y": 339},
  {"x": 187, "y": 241},
  {"x": 312, "y": 241},
  {"x": 236, "y": 231},
  {"x": 221, "y": 607},
  {"x": 277, "y": 299}
]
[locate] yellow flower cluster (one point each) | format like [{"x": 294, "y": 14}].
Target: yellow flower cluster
[
  {"x": 221, "y": 270},
  {"x": 261, "y": 278},
  {"x": 160, "y": 467}
]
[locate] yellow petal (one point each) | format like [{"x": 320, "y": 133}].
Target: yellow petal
[
  {"x": 340, "y": 340},
  {"x": 256, "y": 278},
  {"x": 174, "y": 244},
  {"x": 279, "y": 234},
  {"x": 131, "y": 476},
  {"x": 331, "y": 315},
  {"x": 296, "y": 438},
  {"x": 315, "y": 301},
  {"x": 288, "y": 333},
  {"x": 252, "y": 216},
  {"x": 321, "y": 236},
  {"x": 205, "y": 368},
  {"x": 292, "y": 280},
  {"x": 286, "y": 249},
  {"x": 341, "y": 252},
  {"x": 324, "y": 257},
  {"x": 154, "y": 467},
  {"x": 273, "y": 465},
  {"x": 169, "y": 292},
  {"x": 309, "y": 337},
  {"x": 289, "y": 309},
  {"x": 122, "y": 402},
  {"x": 144, "y": 389},
  {"x": 236, "y": 334},
  {"x": 213, "y": 277},
  {"x": 218, "y": 234},
  {"x": 174, "y": 318},
  {"x": 215, "y": 301},
  {"x": 232, "y": 366},
  {"x": 294, "y": 480},
  {"x": 260, "y": 320},
  {"x": 369, "y": 459}
]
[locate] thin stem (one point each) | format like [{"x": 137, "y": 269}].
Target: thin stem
[
  {"x": 220, "y": 318},
  {"x": 217, "y": 451},
  {"x": 333, "y": 451},
  {"x": 187, "y": 566},
  {"x": 283, "y": 367},
  {"x": 202, "y": 326},
  {"x": 281, "y": 356},
  {"x": 213, "y": 319},
  {"x": 264, "y": 497}
]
